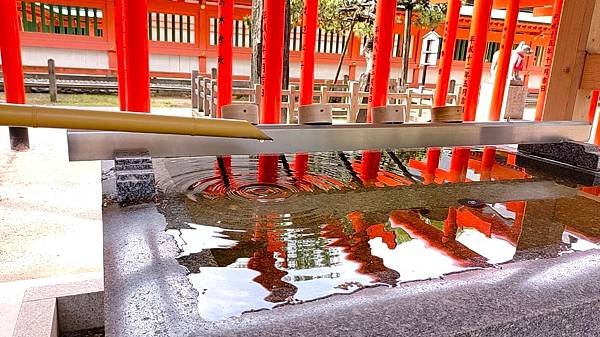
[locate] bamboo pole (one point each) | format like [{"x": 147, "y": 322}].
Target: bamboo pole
[{"x": 67, "y": 118}]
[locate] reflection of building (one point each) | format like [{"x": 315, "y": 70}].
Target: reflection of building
[{"x": 183, "y": 38}]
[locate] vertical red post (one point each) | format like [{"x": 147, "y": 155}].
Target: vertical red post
[
  {"x": 459, "y": 163},
  {"x": 488, "y": 160},
  {"x": 433, "y": 161},
  {"x": 593, "y": 105},
  {"x": 119, "y": 36},
  {"x": 272, "y": 61},
  {"x": 482, "y": 12},
  {"x": 137, "y": 68},
  {"x": 307, "y": 62},
  {"x": 225, "y": 54},
  {"x": 539, "y": 109},
  {"x": 12, "y": 67},
  {"x": 382, "y": 52},
  {"x": 447, "y": 56},
  {"x": 508, "y": 38}
]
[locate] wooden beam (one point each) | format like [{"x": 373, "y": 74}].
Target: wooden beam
[
  {"x": 591, "y": 73},
  {"x": 543, "y": 11},
  {"x": 565, "y": 100}
]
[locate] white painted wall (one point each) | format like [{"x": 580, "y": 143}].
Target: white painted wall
[
  {"x": 173, "y": 63},
  {"x": 38, "y": 56}
]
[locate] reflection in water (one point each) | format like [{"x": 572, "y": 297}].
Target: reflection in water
[{"x": 253, "y": 242}]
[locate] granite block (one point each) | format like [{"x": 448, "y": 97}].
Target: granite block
[
  {"x": 37, "y": 318},
  {"x": 581, "y": 155},
  {"x": 135, "y": 181}
]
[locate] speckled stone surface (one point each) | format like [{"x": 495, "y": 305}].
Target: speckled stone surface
[
  {"x": 582, "y": 155},
  {"x": 515, "y": 100},
  {"x": 148, "y": 294},
  {"x": 135, "y": 181}
]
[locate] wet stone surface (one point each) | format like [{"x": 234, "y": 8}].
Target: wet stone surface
[{"x": 260, "y": 232}]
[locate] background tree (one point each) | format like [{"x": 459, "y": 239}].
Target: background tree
[{"x": 352, "y": 17}]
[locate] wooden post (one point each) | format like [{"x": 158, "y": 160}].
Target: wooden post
[
  {"x": 354, "y": 102},
  {"x": 195, "y": 90},
  {"x": 52, "y": 80},
  {"x": 577, "y": 46}
]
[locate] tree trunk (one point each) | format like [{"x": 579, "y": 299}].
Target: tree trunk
[
  {"x": 364, "y": 80},
  {"x": 406, "y": 45},
  {"x": 256, "y": 35},
  {"x": 286, "y": 46}
]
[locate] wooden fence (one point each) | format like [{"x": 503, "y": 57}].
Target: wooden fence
[{"x": 346, "y": 99}]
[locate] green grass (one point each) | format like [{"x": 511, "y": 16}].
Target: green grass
[{"x": 102, "y": 100}]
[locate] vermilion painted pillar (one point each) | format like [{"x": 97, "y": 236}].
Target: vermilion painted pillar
[
  {"x": 539, "y": 109},
  {"x": 272, "y": 61},
  {"x": 12, "y": 67},
  {"x": 382, "y": 52},
  {"x": 508, "y": 38},
  {"x": 593, "y": 105},
  {"x": 137, "y": 69},
  {"x": 459, "y": 164},
  {"x": 369, "y": 168},
  {"x": 307, "y": 62},
  {"x": 482, "y": 12},
  {"x": 119, "y": 36},
  {"x": 433, "y": 161},
  {"x": 272, "y": 74},
  {"x": 225, "y": 54},
  {"x": 487, "y": 162},
  {"x": 447, "y": 56}
]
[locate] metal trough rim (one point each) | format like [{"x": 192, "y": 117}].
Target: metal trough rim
[{"x": 94, "y": 145}]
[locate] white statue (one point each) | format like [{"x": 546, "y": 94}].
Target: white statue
[{"x": 517, "y": 58}]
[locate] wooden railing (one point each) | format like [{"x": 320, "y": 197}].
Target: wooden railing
[{"x": 346, "y": 99}]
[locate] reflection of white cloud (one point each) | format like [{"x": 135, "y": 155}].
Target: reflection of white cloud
[
  {"x": 200, "y": 237},
  {"x": 414, "y": 260},
  {"x": 580, "y": 244},
  {"x": 503, "y": 211},
  {"x": 227, "y": 292},
  {"x": 494, "y": 249}
]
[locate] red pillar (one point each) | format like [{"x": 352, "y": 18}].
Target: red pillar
[
  {"x": 459, "y": 163},
  {"x": 539, "y": 109},
  {"x": 137, "y": 68},
  {"x": 508, "y": 38},
  {"x": 482, "y": 12},
  {"x": 225, "y": 54},
  {"x": 382, "y": 52},
  {"x": 596, "y": 121},
  {"x": 488, "y": 160},
  {"x": 272, "y": 61},
  {"x": 12, "y": 67},
  {"x": 119, "y": 36},
  {"x": 307, "y": 63},
  {"x": 593, "y": 105},
  {"x": 447, "y": 56},
  {"x": 433, "y": 161}
]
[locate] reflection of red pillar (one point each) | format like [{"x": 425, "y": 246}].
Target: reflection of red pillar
[
  {"x": 272, "y": 61},
  {"x": 136, "y": 55},
  {"x": 450, "y": 226},
  {"x": 482, "y": 12},
  {"x": 300, "y": 165},
  {"x": 487, "y": 162},
  {"x": 369, "y": 166},
  {"x": 12, "y": 67},
  {"x": 225, "y": 57},
  {"x": 120, "y": 30},
  {"x": 508, "y": 38},
  {"x": 458, "y": 164},
  {"x": 539, "y": 109},
  {"x": 433, "y": 161},
  {"x": 593, "y": 105},
  {"x": 445, "y": 66},
  {"x": 307, "y": 63},
  {"x": 382, "y": 52}
]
